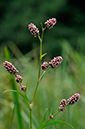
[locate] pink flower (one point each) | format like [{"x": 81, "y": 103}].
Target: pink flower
[
  {"x": 10, "y": 67},
  {"x": 62, "y": 105},
  {"x": 50, "y": 23},
  {"x": 73, "y": 99},
  {"x": 51, "y": 116},
  {"x": 23, "y": 88},
  {"x": 18, "y": 79},
  {"x": 56, "y": 61},
  {"x": 44, "y": 66},
  {"x": 33, "y": 29}
]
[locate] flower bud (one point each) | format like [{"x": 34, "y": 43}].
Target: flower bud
[
  {"x": 50, "y": 23},
  {"x": 51, "y": 116},
  {"x": 10, "y": 67},
  {"x": 33, "y": 29}
]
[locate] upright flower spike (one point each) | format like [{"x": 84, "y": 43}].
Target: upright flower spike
[
  {"x": 44, "y": 65},
  {"x": 10, "y": 67},
  {"x": 33, "y": 29},
  {"x": 50, "y": 23},
  {"x": 56, "y": 61},
  {"x": 62, "y": 105},
  {"x": 73, "y": 99}
]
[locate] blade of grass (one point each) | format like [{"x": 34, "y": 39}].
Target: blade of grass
[{"x": 15, "y": 96}]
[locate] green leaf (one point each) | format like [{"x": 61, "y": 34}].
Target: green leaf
[
  {"x": 7, "y": 53},
  {"x": 43, "y": 55},
  {"x": 54, "y": 122},
  {"x": 44, "y": 115},
  {"x": 51, "y": 111},
  {"x": 24, "y": 96}
]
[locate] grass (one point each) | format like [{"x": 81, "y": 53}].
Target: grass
[{"x": 60, "y": 83}]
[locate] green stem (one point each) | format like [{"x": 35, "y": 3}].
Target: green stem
[
  {"x": 39, "y": 68},
  {"x": 30, "y": 118},
  {"x": 38, "y": 80}
]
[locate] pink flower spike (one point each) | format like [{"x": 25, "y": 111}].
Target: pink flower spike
[
  {"x": 10, "y": 67},
  {"x": 50, "y": 23},
  {"x": 73, "y": 99},
  {"x": 33, "y": 29}
]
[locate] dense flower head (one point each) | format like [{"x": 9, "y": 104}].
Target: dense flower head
[
  {"x": 18, "y": 79},
  {"x": 62, "y": 105},
  {"x": 23, "y": 88},
  {"x": 56, "y": 61},
  {"x": 44, "y": 65},
  {"x": 73, "y": 99},
  {"x": 33, "y": 29},
  {"x": 10, "y": 67},
  {"x": 50, "y": 23}
]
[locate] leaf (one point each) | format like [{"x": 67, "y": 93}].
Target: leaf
[
  {"x": 24, "y": 96},
  {"x": 44, "y": 115},
  {"x": 54, "y": 122},
  {"x": 43, "y": 55},
  {"x": 51, "y": 111},
  {"x": 7, "y": 54}
]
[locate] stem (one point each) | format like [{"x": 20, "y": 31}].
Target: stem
[
  {"x": 39, "y": 66},
  {"x": 38, "y": 80},
  {"x": 30, "y": 118}
]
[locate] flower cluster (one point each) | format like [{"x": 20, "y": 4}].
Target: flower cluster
[
  {"x": 50, "y": 23},
  {"x": 33, "y": 29},
  {"x": 18, "y": 79},
  {"x": 73, "y": 99},
  {"x": 10, "y": 67},
  {"x": 62, "y": 105},
  {"x": 12, "y": 70},
  {"x": 54, "y": 63},
  {"x": 44, "y": 66}
]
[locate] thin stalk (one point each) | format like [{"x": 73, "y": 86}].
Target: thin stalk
[
  {"x": 39, "y": 67},
  {"x": 30, "y": 118},
  {"x": 38, "y": 80}
]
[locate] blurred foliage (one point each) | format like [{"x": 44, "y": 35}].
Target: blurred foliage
[{"x": 67, "y": 39}]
